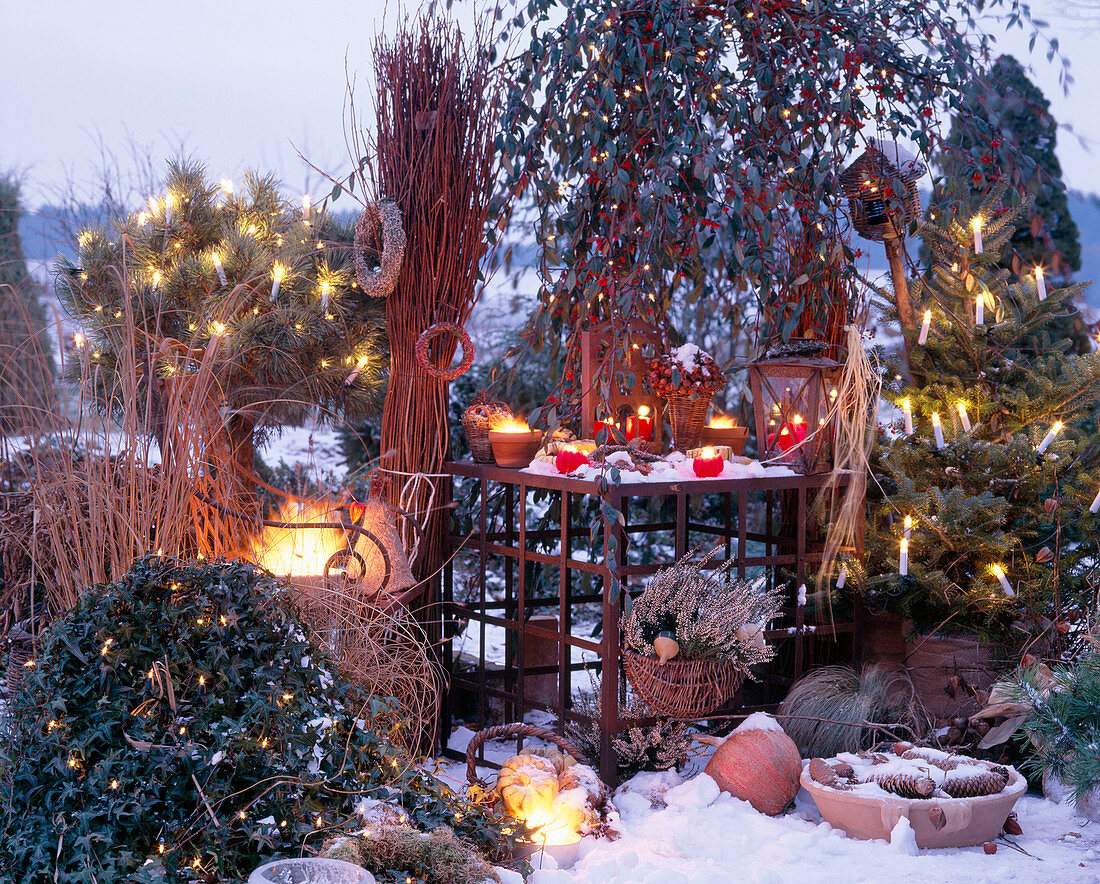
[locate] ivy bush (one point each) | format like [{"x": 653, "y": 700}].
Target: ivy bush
[{"x": 178, "y": 725}]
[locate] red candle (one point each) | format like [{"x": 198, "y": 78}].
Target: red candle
[
  {"x": 708, "y": 465},
  {"x": 569, "y": 460},
  {"x": 792, "y": 435},
  {"x": 645, "y": 423}
]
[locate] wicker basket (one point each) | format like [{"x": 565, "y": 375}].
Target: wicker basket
[
  {"x": 477, "y": 420},
  {"x": 688, "y": 414},
  {"x": 681, "y": 688},
  {"x": 516, "y": 729}
]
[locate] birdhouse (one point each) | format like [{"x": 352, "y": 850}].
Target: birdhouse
[
  {"x": 881, "y": 190},
  {"x": 635, "y": 412},
  {"x": 794, "y": 403}
]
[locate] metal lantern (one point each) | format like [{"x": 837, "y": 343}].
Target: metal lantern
[{"x": 793, "y": 399}]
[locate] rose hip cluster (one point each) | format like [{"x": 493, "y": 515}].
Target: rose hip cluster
[{"x": 703, "y": 377}]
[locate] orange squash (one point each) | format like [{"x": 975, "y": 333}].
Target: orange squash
[{"x": 758, "y": 765}]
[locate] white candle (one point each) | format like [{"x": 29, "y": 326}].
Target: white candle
[
  {"x": 305, "y": 207},
  {"x": 1055, "y": 429},
  {"x": 976, "y": 226},
  {"x": 842, "y": 577},
  {"x": 219, "y": 269},
  {"x": 963, "y": 416},
  {"x": 1041, "y": 282},
  {"x": 907, "y": 528},
  {"x": 217, "y": 329},
  {"x": 922, "y": 338},
  {"x": 937, "y": 429},
  {"x": 277, "y": 274},
  {"x": 168, "y": 209},
  {"x": 1095, "y": 508},
  {"x": 903, "y": 558},
  {"x": 979, "y": 309},
  {"x": 325, "y": 287},
  {"x": 999, "y": 573},
  {"x": 907, "y": 410}
]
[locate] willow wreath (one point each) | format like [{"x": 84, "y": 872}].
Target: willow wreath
[
  {"x": 430, "y": 334},
  {"x": 378, "y": 231}
]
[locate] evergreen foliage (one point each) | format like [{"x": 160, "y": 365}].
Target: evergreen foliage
[
  {"x": 1064, "y": 723},
  {"x": 1004, "y": 122},
  {"x": 309, "y": 343},
  {"x": 182, "y": 716},
  {"x": 26, "y": 351},
  {"x": 987, "y": 499}
]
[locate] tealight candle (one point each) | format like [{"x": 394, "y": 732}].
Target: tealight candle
[
  {"x": 1095, "y": 508},
  {"x": 1041, "y": 283},
  {"x": 1055, "y": 429},
  {"x": 976, "y": 226},
  {"x": 922, "y": 338},
  {"x": 903, "y": 558},
  {"x": 963, "y": 416},
  {"x": 219, "y": 269},
  {"x": 707, "y": 464},
  {"x": 999, "y": 573},
  {"x": 907, "y": 411},
  {"x": 937, "y": 429}
]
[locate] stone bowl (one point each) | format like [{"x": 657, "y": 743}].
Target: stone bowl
[
  {"x": 310, "y": 871},
  {"x": 969, "y": 821}
]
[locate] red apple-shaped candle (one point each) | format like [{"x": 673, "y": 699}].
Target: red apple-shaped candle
[
  {"x": 707, "y": 464},
  {"x": 569, "y": 459}
]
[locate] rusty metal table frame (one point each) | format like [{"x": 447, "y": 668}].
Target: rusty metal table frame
[{"x": 512, "y": 544}]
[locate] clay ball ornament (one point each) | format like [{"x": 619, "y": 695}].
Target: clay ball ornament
[
  {"x": 665, "y": 647},
  {"x": 758, "y": 763}
]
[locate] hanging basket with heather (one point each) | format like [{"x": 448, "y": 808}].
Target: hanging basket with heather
[
  {"x": 691, "y": 637},
  {"x": 688, "y": 378}
]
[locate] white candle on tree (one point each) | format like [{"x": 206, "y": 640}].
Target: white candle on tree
[
  {"x": 168, "y": 200},
  {"x": 305, "y": 207},
  {"x": 1095, "y": 508},
  {"x": 1055, "y": 429},
  {"x": 976, "y": 226},
  {"x": 842, "y": 577},
  {"x": 907, "y": 528},
  {"x": 963, "y": 416},
  {"x": 903, "y": 558},
  {"x": 219, "y": 269},
  {"x": 937, "y": 429},
  {"x": 979, "y": 309},
  {"x": 999, "y": 573},
  {"x": 325, "y": 288},
  {"x": 277, "y": 274},
  {"x": 907, "y": 411},
  {"x": 1041, "y": 283},
  {"x": 922, "y": 338}
]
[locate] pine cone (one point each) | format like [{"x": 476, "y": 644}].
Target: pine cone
[
  {"x": 989, "y": 783},
  {"x": 905, "y": 785},
  {"x": 821, "y": 772},
  {"x": 941, "y": 763}
]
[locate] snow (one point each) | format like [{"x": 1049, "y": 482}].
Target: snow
[
  {"x": 689, "y": 356},
  {"x": 759, "y": 721},
  {"x": 677, "y": 830},
  {"x": 903, "y": 839},
  {"x": 674, "y": 468}
]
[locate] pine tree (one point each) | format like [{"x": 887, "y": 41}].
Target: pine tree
[
  {"x": 26, "y": 351},
  {"x": 272, "y": 285},
  {"x": 1005, "y": 122},
  {"x": 986, "y": 503}
]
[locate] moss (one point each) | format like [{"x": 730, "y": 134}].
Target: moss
[{"x": 392, "y": 853}]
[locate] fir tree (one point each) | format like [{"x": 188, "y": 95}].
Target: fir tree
[
  {"x": 1005, "y": 122},
  {"x": 26, "y": 352},
  {"x": 272, "y": 285},
  {"x": 986, "y": 502}
]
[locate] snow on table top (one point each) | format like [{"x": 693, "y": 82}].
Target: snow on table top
[{"x": 676, "y": 467}]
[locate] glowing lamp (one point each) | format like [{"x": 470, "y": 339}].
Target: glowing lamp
[{"x": 514, "y": 443}]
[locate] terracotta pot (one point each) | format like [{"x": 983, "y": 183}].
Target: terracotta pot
[
  {"x": 969, "y": 821},
  {"x": 758, "y": 766},
  {"x": 515, "y": 450},
  {"x": 734, "y": 437},
  {"x": 934, "y": 663}
]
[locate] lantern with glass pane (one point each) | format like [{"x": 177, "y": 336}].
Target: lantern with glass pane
[{"x": 794, "y": 403}]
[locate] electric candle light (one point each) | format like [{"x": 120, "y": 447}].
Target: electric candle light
[
  {"x": 907, "y": 411},
  {"x": 903, "y": 558},
  {"x": 979, "y": 309},
  {"x": 999, "y": 573},
  {"x": 963, "y": 416},
  {"x": 305, "y": 207},
  {"x": 277, "y": 274},
  {"x": 1041, "y": 283},
  {"x": 922, "y": 338},
  {"x": 842, "y": 577},
  {"x": 168, "y": 209},
  {"x": 1055, "y": 429},
  {"x": 325, "y": 287},
  {"x": 976, "y": 226},
  {"x": 907, "y": 527},
  {"x": 219, "y": 269},
  {"x": 937, "y": 429},
  {"x": 1095, "y": 508}
]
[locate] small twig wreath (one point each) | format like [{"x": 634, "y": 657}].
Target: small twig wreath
[
  {"x": 378, "y": 232},
  {"x": 430, "y": 334}
]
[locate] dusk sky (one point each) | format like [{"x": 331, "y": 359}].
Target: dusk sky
[{"x": 241, "y": 83}]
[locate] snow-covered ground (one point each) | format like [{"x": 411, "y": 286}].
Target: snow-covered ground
[{"x": 679, "y": 829}]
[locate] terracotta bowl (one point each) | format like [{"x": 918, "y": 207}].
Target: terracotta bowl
[
  {"x": 515, "y": 450},
  {"x": 734, "y": 437},
  {"x": 969, "y": 820}
]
